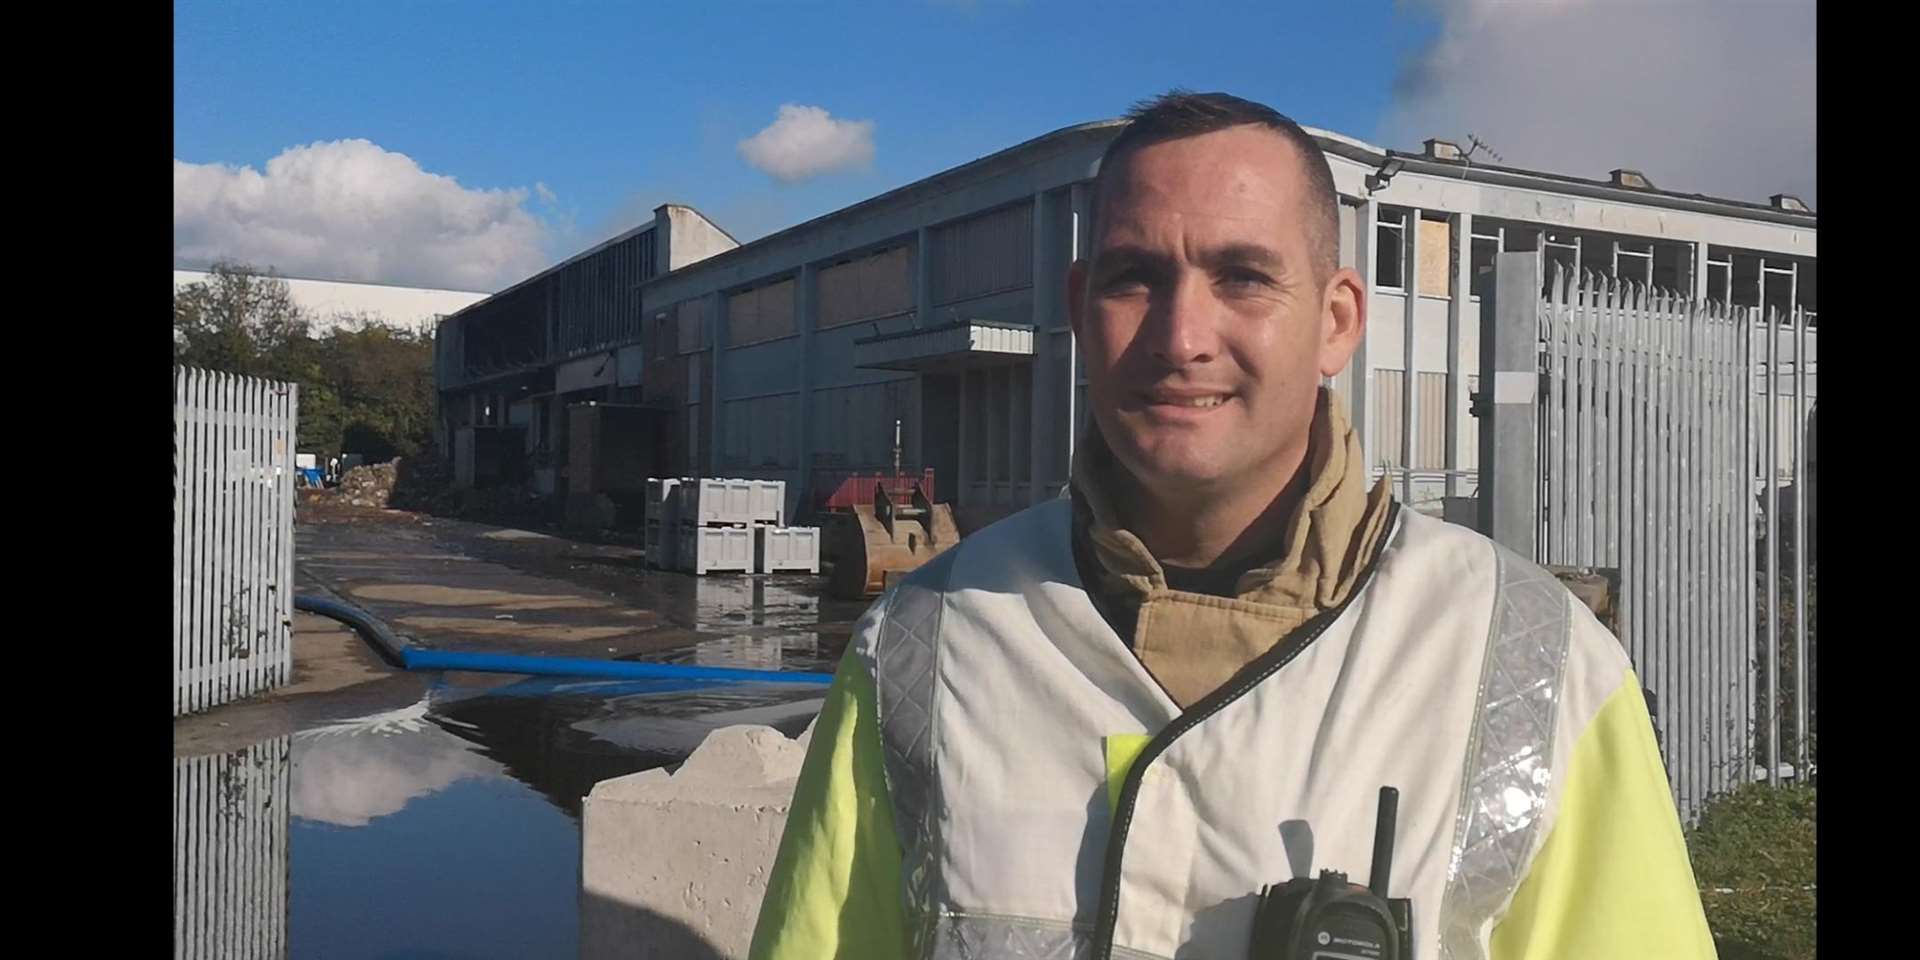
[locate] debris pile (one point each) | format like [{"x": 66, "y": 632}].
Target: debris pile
[{"x": 370, "y": 485}]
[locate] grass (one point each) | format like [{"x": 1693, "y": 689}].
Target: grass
[{"x": 1753, "y": 856}]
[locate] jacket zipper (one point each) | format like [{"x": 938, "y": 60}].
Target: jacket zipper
[{"x": 1254, "y": 674}]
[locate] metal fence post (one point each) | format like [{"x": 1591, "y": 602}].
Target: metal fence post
[{"x": 1509, "y": 384}]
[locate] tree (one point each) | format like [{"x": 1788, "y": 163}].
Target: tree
[
  {"x": 366, "y": 386},
  {"x": 235, "y": 320}
]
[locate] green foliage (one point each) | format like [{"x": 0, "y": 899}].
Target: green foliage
[
  {"x": 1753, "y": 856},
  {"x": 1784, "y": 704},
  {"x": 365, "y": 386}
]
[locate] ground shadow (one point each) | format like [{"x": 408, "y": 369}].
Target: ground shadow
[{"x": 610, "y": 929}]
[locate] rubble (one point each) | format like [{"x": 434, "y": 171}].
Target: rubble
[
  {"x": 420, "y": 483},
  {"x": 368, "y": 486}
]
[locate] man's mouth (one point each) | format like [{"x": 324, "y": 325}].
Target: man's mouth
[{"x": 1186, "y": 399}]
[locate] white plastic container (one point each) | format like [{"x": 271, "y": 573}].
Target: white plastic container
[
  {"x": 659, "y": 491},
  {"x": 787, "y": 548},
  {"x": 662, "y": 545},
  {"x": 662, "y": 520},
  {"x": 709, "y": 501},
  {"x": 703, "y": 550},
  {"x": 768, "y": 502}
]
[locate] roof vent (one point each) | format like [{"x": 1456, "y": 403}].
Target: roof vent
[
  {"x": 1442, "y": 150},
  {"x": 1632, "y": 179},
  {"x": 1787, "y": 201}
]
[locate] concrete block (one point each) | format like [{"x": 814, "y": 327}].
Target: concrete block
[{"x": 676, "y": 865}]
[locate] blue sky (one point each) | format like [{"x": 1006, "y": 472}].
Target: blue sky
[{"x": 590, "y": 114}]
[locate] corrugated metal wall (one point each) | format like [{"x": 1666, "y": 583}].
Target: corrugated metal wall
[
  {"x": 505, "y": 332},
  {"x": 984, "y": 254},
  {"x": 762, "y": 433},
  {"x": 690, "y": 320},
  {"x": 1430, "y": 442},
  {"x": 596, "y": 299},
  {"x": 449, "y": 353},
  {"x": 856, "y": 423}
]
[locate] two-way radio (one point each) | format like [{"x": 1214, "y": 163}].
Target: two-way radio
[{"x": 1329, "y": 918}]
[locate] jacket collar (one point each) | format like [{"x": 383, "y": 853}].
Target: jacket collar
[{"x": 1322, "y": 549}]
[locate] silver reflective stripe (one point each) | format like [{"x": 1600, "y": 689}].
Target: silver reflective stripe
[
  {"x": 975, "y": 937},
  {"x": 1509, "y": 760},
  {"x": 904, "y": 660}
]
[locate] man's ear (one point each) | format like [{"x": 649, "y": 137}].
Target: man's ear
[{"x": 1343, "y": 320}]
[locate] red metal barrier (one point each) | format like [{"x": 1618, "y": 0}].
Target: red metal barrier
[{"x": 841, "y": 489}]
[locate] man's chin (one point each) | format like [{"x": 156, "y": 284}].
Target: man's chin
[{"x": 1172, "y": 468}]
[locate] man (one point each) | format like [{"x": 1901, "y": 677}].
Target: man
[{"x": 1101, "y": 726}]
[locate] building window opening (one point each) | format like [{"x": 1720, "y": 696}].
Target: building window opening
[
  {"x": 1776, "y": 288},
  {"x": 1745, "y": 289},
  {"x": 1491, "y": 237},
  {"x": 1803, "y": 291},
  {"x": 1482, "y": 248},
  {"x": 1560, "y": 253},
  {"x": 1633, "y": 261},
  {"x": 1719, "y": 275},
  {"x": 1673, "y": 268},
  {"x": 1390, "y": 249}
]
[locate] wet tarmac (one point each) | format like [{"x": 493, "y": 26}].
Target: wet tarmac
[
  {"x": 468, "y": 586},
  {"x": 361, "y": 812}
]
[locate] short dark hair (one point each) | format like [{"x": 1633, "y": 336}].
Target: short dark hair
[{"x": 1178, "y": 114}]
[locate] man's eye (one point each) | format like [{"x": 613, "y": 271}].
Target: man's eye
[
  {"x": 1244, "y": 279},
  {"x": 1126, "y": 281}
]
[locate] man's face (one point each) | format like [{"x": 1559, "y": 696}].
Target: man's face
[{"x": 1204, "y": 327}]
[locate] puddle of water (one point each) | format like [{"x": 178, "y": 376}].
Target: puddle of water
[
  {"x": 429, "y": 851},
  {"x": 775, "y": 651},
  {"x": 448, "y": 828}
]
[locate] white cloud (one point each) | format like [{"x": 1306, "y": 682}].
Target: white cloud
[
  {"x": 350, "y": 210},
  {"x": 1706, "y": 96},
  {"x": 353, "y": 773},
  {"x": 806, "y": 142}
]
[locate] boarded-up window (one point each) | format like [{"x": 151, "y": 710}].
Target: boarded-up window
[
  {"x": 763, "y": 313},
  {"x": 691, "y": 318},
  {"x": 1436, "y": 256},
  {"x": 877, "y": 285},
  {"x": 986, "y": 254}
]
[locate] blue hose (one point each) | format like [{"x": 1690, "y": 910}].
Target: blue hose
[
  {"x": 399, "y": 654},
  {"x": 418, "y": 659}
]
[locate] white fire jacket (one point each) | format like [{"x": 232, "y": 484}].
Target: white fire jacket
[{"x": 996, "y": 775}]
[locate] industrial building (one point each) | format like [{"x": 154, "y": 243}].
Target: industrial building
[
  {"x": 331, "y": 302},
  {"x": 939, "y": 307}
]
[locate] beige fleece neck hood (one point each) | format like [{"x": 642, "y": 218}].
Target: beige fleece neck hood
[{"x": 1192, "y": 643}]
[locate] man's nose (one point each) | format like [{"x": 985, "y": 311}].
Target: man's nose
[{"x": 1182, "y": 325}]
